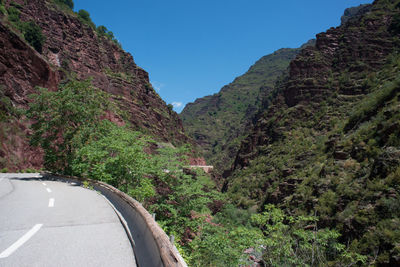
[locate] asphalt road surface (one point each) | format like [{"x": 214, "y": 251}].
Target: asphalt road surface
[{"x": 51, "y": 223}]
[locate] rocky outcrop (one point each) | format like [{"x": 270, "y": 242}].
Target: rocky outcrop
[
  {"x": 354, "y": 12},
  {"x": 73, "y": 48}
]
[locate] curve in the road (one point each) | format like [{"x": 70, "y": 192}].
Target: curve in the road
[{"x": 81, "y": 230}]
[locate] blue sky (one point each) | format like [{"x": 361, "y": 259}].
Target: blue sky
[{"x": 193, "y": 48}]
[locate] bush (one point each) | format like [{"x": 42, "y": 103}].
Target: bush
[
  {"x": 13, "y": 14},
  {"x": 68, "y": 3},
  {"x": 85, "y": 18},
  {"x": 101, "y": 30},
  {"x": 104, "y": 32},
  {"x": 33, "y": 35}
]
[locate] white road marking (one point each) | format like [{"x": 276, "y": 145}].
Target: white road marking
[
  {"x": 48, "y": 190},
  {"x": 20, "y": 241},
  {"x": 1, "y": 179},
  {"x": 44, "y": 184},
  {"x": 51, "y": 202}
]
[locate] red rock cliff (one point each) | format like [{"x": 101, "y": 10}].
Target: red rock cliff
[{"x": 72, "y": 47}]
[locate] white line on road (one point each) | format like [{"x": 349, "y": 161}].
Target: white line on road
[
  {"x": 48, "y": 190},
  {"x": 44, "y": 184},
  {"x": 1, "y": 179},
  {"x": 51, "y": 202},
  {"x": 20, "y": 241}
]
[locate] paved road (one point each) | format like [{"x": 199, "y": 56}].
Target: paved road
[{"x": 50, "y": 223}]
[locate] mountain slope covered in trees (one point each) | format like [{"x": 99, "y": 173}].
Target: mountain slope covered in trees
[
  {"x": 327, "y": 142},
  {"x": 218, "y": 122}
]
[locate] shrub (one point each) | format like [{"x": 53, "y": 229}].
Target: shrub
[
  {"x": 68, "y": 3},
  {"x": 85, "y": 18},
  {"x": 13, "y": 14},
  {"x": 33, "y": 35},
  {"x": 101, "y": 30}
]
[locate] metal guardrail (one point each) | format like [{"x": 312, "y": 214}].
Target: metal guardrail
[{"x": 151, "y": 245}]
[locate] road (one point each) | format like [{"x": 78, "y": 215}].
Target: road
[{"x": 51, "y": 223}]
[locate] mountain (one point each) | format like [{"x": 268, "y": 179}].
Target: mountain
[
  {"x": 218, "y": 122},
  {"x": 326, "y": 141},
  {"x": 44, "y": 43}
]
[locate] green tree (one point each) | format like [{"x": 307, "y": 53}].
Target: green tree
[
  {"x": 115, "y": 155},
  {"x": 60, "y": 116}
]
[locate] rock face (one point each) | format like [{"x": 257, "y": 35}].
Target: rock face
[
  {"x": 218, "y": 122},
  {"x": 353, "y": 12},
  {"x": 73, "y": 48}
]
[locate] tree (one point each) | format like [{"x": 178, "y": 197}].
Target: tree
[
  {"x": 115, "y": 155},
  {"x": 59, "y": 117}
]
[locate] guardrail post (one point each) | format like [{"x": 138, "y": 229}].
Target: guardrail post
[
  {"x": 172, "y": 239},
  {"x": 154, "y": 216}
]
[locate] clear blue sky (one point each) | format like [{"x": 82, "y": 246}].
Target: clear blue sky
[{"x": 191, "y": 48}]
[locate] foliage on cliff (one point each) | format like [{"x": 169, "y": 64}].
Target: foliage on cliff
[{"x": 328, "y": 140}]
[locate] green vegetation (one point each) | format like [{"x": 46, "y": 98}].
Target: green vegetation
[
  {"x": 33, "y": 35},
  {"x": 60, "y": 117},
  {"x": 84, "y": 16},
  {"x": 102, "y": 31},
  {"x": 68, "y": 3},
  {"x": 31, "y": 32},
  {"x": 115, "y": 155},
  {"x": 346, "y": 171},
  {"x": 209, "y": 230}
]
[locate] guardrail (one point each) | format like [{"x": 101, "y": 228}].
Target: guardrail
[{"x": 151, "y": 245}]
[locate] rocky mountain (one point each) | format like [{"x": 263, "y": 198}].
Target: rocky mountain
[
  {"x": 353, "y": 12},
  {"x": 327, "y": 140},
  {"x": 218, "y": 122},
  {"x": 71, "y": 47}
]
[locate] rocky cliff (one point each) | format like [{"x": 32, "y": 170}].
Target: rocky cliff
[
  {"x": 72, "y": 49},
  {"x": 327, "y": 141},
  {"x": 218, "y": 122}
]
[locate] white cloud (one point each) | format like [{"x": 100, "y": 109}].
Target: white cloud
[
  {"x": 177, "y": 104},
  {"x": 157, "y": 85}
]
